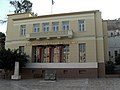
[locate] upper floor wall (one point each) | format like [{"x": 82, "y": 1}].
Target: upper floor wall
[{"x": 80, "y": 24}]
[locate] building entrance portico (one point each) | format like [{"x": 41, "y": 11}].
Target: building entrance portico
[{"x": 50, "y": 53}]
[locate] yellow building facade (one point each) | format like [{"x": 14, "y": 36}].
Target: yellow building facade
[{"x": 72, "y": 44}]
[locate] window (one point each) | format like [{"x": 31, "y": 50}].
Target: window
[
  {"x": 118, "y": 33},
  {"x": 66, "y": 53},
  {"x": 23, "y": 30},
  {"x": 110, "y": 56},
  {"x": 36, "y": 27},
  {"x": 82, "y": 71},
  {"x": 46, "y": 55},
  {"x": 111, "y": 34},
  {"x": 45, "y": 27},
  {"x": 116, "y": 53},
  {"x": 65, "y": 71},
  {"x": 65, "y": 25},
  {"x": 81, "y": 25},
  {"x": 82, "y": 52},
  {"x": 55, "y": 26},
  {"x": 109, "y": 53},
  {"x": 21, "y": 49}
]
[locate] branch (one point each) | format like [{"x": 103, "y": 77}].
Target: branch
[{"x": 3, "y": 21}]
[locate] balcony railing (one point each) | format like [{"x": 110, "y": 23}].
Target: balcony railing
[{"x": 48, "y": 35}]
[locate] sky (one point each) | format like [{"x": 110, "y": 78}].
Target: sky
[{"x": 109, "y": 8}]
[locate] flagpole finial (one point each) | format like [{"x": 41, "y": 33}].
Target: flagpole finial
[{"x": 53, "y": 2}]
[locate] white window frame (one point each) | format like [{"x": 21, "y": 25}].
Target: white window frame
[
  {"x": 65, "y": 25},
  {"x": 66, "y": 53},
  {"x": 55, "y": 26},
  {"x": 81, "y": 24},
  {"x": 82, "y": 52},
  {"x": 45, "y": 27},
  {"x": 23, "y": 30},
  {"x": 36, "y": 27}
]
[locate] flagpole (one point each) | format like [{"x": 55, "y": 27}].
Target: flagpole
[{"x": 51, "y": 8}]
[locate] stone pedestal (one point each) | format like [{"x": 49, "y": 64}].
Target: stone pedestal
[
  {"x": 16, "y": 75},
  {"x": 50, "y": 75}
]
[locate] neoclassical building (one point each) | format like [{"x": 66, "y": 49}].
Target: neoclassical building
[
  {"x": 71, "y": 45},
  {"x": 113, "y": 38}
]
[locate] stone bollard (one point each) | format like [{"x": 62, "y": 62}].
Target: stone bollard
[{"x": 16, "y": 75}]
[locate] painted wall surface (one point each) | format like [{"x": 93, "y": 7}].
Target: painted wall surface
[{"x": 93, "y": 35}]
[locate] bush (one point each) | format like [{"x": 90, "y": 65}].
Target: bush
[
  {"x": 8, "y": 59},
  {"x": 117, "y": 59},
  {"x": 109, "y": 67}
]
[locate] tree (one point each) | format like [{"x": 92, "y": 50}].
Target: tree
[
  {"x": 21, "y": 6},
  {"x": 2, "y": 40},
  {"x": 117, "y": 59},
  {"x": 109, "y": 67},
  {"x": 3, "y": 21},
  {"x": 27, "y": 6},
  {"x": 8, "y": 58}
]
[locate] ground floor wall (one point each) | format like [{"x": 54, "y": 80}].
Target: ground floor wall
[
  {"x": 65, "y": 72},
  {"x": 61, "y": 73},
  {"x": 101, "y": 69}
]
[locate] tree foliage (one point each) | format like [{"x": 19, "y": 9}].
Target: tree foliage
[
  {"x": 21, "y": 6},
  {"x": 8, "y": 58},
  {"x": 2, "y": 40},
  {"x": 117, "y": 59},
  {"x": 109, "y": 67},
  {"x": 3, "y": 21}
]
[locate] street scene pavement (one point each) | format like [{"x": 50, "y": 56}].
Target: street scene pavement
[{"x": 62, "y": 84}]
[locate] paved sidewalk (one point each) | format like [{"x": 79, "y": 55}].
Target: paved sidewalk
[{"x": 67, "y": 84}]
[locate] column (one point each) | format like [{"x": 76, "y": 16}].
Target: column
[
  {"x": 61, "y": 53},
  {"x": 40, "y": 54},
  {"x": 45, "y": 55},
  {"x": 43, "y": 52},
  {"x": 35, "y": 55},
  {"x": 50, "y": 49},
  {"x": 52, "y": 54}
]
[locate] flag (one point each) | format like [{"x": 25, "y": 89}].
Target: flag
[{"x": 53, "y": 2}]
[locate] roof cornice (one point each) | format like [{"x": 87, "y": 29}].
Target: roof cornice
[{"x": 56, "y": 15}]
